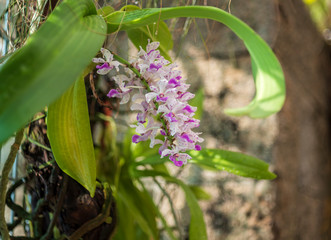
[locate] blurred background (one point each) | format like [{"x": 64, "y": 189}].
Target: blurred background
[{"x": 296, "y": 142}]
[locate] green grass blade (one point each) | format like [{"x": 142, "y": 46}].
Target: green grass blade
[
  {"x": 269, "y": 78},
  {"x": 49, "y": 63},
  {"x": 69, "y": 133},
  {"x": 233, "y": 162}
]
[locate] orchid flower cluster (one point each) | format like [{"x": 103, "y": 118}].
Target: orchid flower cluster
[{"x": 159, "y": 94}]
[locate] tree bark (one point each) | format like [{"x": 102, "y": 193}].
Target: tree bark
[{"x": 302, "y": 152}]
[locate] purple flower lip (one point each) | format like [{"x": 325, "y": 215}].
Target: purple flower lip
[
  {"x": 188, "y": 108},
  {"x": 163, "y": 132},
  {"x": 174, "y": 159},
  {"x": 105, "y": 65},
  {"x": 140, "y": 118},
  {"x": 161, "y": 98},
  {"x": 171, "y": 116},
  {"x": 173, "y": 82},
  {"x": 135, "y": 138},
  {"x": 112, "y": 93},
  {"x": 178, "y": 163},
  {"x": 150, "y": 52},
  {"x": 180, "y": 94},
  {"x": 154, "y": 66},
  {"x": 197, "y": 147},
  {"x": 186, "y": 137}
]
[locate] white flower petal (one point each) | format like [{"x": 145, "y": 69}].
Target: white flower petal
[
  {"x": 116, "y": 65},
  {"x": 137, "y": 96},
  {"x": 103, "y": 71},
  {"x": 125, "y": 98},
  {"x": 106, "y": 53},
  {"x": 166, "y": 152},
  {"x": 98, "y": 60},
  {"x": 150, "y": 96},
  {"x": 163, "y": 109},
  {"x": 137, "y": 107},
  {"x": 162, "y": 85}
]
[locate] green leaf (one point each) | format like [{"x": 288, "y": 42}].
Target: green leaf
[
  {"x": 197, "y": 225},
  {"x": 153, "y": 159},
  {"x": 269, "y": 78},
  {"x": 49, "y": 63},
  {"x": 125, "y": 230},
  {"x": 233, "y": 162},
  {"x": 105, "y": 11},
  {"x": 69, "y": 133},
  {"x": 5, "y": 57},
  {"x": 200, "y": 193}
]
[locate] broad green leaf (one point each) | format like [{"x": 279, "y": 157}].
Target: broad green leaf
[
  {"x": 197, "y": 225},
  {"x": 105, "y": 11},
  {"x": 69, "y": 133},
  {"x": 233, "y": 162},
  {"x": 49, "y": 63},
  {"x": 269, "y": 78}
]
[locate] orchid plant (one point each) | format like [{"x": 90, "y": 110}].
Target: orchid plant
[{"x": 37, "y": 75}]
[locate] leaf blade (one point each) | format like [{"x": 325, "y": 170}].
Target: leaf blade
[
  {"x": 70, "y": 136},
  {"x": 233, "y": 162},
  {"x": 35, "y": 75}
]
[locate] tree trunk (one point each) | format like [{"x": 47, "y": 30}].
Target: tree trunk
[{"x": 302, "y": 153}]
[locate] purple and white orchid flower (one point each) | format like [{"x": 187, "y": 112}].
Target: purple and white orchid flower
[{"x": 162, "y": 106}]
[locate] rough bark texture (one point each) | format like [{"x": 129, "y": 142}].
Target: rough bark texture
[{"x": 303, "y": 165}]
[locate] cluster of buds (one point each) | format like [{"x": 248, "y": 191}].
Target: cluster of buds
[{"x": 161, "y": 99}]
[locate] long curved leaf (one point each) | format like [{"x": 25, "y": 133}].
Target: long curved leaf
[
  {"x": 269, "y": 78},
  {"x": 233, "y": 162},
  {"x": 51, "y": 60},
  {"x": 69, "y": 133}
]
